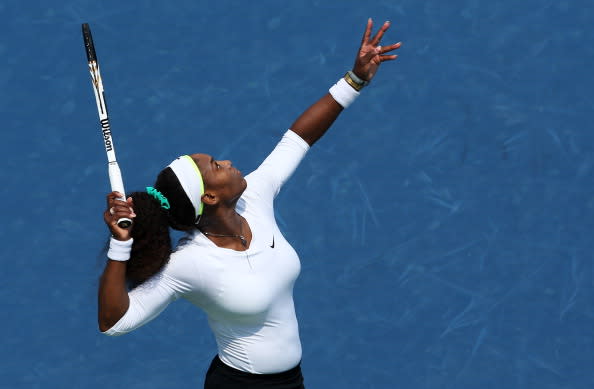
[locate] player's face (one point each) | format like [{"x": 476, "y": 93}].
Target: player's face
[{"x": 220, "y": 177}]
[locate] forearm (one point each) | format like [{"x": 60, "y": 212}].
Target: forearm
[
  {"x": 113, "y": 294},
  {"x": 312, "y": 124}
]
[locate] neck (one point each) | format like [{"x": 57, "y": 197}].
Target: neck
[
  {"x": 229, "y": 236},
  {"x": 228, "y": 223}
]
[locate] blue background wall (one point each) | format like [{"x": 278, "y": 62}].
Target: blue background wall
[{"x": 444, "y": 224}]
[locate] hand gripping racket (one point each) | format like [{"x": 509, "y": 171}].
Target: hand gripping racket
[{"x": 115, "y": 175}]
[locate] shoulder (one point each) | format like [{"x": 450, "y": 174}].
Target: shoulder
[
  {"x": 194, "y": 253},
  {"x": 188, "y": 248},
  {"x": 183, "y": 265},
  {"x": 258, "y": 197}
]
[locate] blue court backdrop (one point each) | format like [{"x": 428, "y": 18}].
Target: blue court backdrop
[{"x": 444, "y": 223}]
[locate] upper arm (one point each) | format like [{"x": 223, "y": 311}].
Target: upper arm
[
  {"x": 278, "y": 167},
  {"x": 148, "y": 300}
]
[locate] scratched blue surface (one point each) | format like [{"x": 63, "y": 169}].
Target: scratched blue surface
[{"x": 444, "y": 224}]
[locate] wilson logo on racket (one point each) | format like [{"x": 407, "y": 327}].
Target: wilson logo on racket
[{"x": 106, "y": 134}]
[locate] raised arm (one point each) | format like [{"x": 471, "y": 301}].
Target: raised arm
[{"x": 312, "y": 124}]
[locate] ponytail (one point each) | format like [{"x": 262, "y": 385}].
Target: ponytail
[{"x": 152, "y": 241}]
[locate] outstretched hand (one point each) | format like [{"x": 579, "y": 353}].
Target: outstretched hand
[{"x": 371, "y": 54}]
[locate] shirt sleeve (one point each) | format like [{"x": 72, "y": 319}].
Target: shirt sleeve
[
  {"x": 278, "y": 167},
  {"x": 149, "y": 299}
]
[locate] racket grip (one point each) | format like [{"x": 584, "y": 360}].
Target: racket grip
[
  {"x": 115, "y": 179},
  {"x": 117, "y": 185}
]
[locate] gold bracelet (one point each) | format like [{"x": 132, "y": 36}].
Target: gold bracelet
[{"x": 356, "y": 86}]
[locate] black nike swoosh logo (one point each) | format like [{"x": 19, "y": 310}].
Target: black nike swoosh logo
[{"x": 272, "y": 245}]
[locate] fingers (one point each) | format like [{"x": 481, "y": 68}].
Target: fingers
[
  {"x": 367, "y": 33},
  {"x": 117, "y": 209},
  {"x": 117, "y": 198},
  {"x": 387, "y": 49},
  {"x": 378, "y": 36},
  {"x": 375, "y": 43},
  {"x": 113, "y": 196},
  {"x": 120, "y": 209},
  {"x": 382, "y": 50},
  {"x": 388, "y": 57}
]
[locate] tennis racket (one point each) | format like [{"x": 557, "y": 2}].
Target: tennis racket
[{"x": 115, "y": 175}]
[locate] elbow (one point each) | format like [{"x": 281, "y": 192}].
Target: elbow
[
  {"x": 110, "y": 313},
  {"x": 106, "y": 322},
  {"x": 104, "y": 327}
]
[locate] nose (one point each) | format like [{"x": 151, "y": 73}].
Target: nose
[{"x": 227, "y": 163}]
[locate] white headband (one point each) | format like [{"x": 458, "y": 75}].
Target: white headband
[{"x": 191, "y": 181}]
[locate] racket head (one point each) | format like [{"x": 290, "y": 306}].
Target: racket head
[{"x": 89, "y": 45}]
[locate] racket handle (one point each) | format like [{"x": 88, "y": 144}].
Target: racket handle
[
  {"x": 124, "y": 222},
  {"x": 117, "y": 185}
]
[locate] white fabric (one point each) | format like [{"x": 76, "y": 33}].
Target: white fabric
[
  {"x": 119, "y": 250},
  {"x": 247, "y": 295},
  {"x": 190, "y": 178},
  {"x": 343, "y": 93}
]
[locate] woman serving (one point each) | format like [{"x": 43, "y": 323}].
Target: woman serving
[{"x": 233, "y": 262}]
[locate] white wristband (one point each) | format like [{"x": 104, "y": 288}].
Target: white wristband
[
  {"x": 119, "y": 250},
  {"x": 343, "y": 93}
]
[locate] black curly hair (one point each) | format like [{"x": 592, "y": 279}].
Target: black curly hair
[{"x": 152, "y": 240}]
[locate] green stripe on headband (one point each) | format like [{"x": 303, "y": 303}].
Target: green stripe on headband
[{"x": 200, "y": 181}]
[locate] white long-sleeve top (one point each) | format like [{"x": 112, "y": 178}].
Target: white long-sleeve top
[{"x": 247, "y": 295}]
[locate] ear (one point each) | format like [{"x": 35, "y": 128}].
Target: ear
[{"x": 210, "y": 198}]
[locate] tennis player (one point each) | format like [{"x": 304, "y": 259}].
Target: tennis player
[{"x": 233, "y": 262}]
